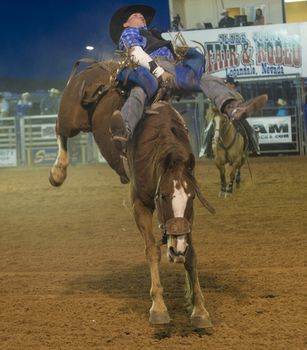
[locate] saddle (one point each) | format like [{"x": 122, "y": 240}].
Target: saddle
[{"x": 91, "y": 91}]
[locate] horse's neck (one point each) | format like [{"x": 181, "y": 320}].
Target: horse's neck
[
  {"x": 227, "y": 131},
  {"x": 162, "y": 132}
]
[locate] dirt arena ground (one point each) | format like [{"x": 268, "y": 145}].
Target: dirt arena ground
[{"x": 73, "y": 273}]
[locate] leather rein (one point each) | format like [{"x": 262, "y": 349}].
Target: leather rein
[{"x": 220, "y": 139}]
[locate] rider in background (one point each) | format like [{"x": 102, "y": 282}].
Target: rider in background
[
  {"x": 242, "y": 125},
  {"x": 128, "y": 29}
]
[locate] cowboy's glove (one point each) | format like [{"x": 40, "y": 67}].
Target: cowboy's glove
[
  {"x": 166, "y": 76},
  {"x": 165, "y": 80}
]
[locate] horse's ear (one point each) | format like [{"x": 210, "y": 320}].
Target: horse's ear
[{"x": 190, "y": 163}]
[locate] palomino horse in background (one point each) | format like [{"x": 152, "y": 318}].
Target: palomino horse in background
[
  {"x": 229, "y": 147},
  {"x": 161, "y": 168}
]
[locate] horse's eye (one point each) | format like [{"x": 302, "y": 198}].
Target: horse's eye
[
  {"x": 191, "y": 195},
  {"x": 165, "y": 196}
]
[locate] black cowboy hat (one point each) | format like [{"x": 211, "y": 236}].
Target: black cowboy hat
[
  {"x": 121, "y": 16},
  {"x": 230, "y": 80}
]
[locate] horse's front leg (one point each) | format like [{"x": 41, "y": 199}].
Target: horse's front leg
[
  {"x": 158, "y": 313},
  {"x": 232, "y": 176},
  {"x": 231, "y": 180},
  {"x": 199, "y": 317},
  {"x": 238, "y": 177},
  {"x": 58, "y": 171},
  {"x": 222, "y": 171}
]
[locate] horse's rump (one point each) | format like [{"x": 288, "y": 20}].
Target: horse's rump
[
  {"x": 87, "y": 104},
  {"x": 81, "y": 98}
]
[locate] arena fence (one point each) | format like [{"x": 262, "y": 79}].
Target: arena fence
[{"x": 31, "y": 140}]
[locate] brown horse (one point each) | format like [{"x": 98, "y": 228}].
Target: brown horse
[
  {"x": 229, "y": 147},
  {"x": 87, "y": 105},
  {"x": 161, "y": 166}
]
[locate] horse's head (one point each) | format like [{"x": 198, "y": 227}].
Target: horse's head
[
  {"x": 174, "y": 203},
  {"x": 175, "y": 193},
  {"x": 220, "y": 122}
]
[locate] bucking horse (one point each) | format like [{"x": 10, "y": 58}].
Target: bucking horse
[{"x": 160, "y": 166}]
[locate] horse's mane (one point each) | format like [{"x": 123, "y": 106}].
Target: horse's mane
[
  {"x": 164, "y": 124},
  {"x": 161, "y": 133}
]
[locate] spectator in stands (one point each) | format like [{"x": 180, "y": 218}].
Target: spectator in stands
[
  {"x": 4, "y": 107},
  {"x": 259, "y": 20},
  {"x": 176, "y": 24},
  {"x": 50, "y": 104},
  {"x": 24, "y": 105},
  {"x": 23, "y": 108},
  {"x": 282, "y": 110},
  {"x": 226, "y": 21}
]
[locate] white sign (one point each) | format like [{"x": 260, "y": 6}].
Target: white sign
[
  {"x": 48, "y": 131},
  {"x": 8, "y": 157},
  {"x": 272, "y": 129},
  {"x": 268, "y": 50}
]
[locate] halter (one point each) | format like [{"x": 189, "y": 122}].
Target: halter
[{"x": 177, "y": 226}]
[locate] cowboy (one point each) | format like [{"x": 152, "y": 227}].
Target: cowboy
[
  {"x": 50, "y": 103},
  {"x": 128, "y": 28},
  {"x": 242, "y": 125},
  {"x": 226, "y": 21}
]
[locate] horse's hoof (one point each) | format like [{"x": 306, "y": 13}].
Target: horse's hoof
[
  {"x": 53, "y": 182},
  {"x": 159, "y": 317},
  {"x": 201, "y": 322},
  {"x": 124, "y": 179},
  {"x": 57, "y": 176}
]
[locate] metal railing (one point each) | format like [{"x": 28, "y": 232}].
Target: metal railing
[{"x": 31, "y": 140}]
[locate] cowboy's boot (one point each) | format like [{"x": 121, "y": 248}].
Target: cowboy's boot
[
  {"x": 120, "y": 131},
  {"x": 208, "y": 152},
  {"x": 252, "y": 136},
  {"x": 242, "y": 109}
]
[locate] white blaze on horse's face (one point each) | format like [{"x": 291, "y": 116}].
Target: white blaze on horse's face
[
  {"x": 217, "y": 120},
  {"x": 179, "y": 203},
  {"x": 180, "y": 199}
]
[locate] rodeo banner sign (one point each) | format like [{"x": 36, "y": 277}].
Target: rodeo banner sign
[
  {"x": 272, "y": 129},
  {"x": 269, "y": 50}
]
